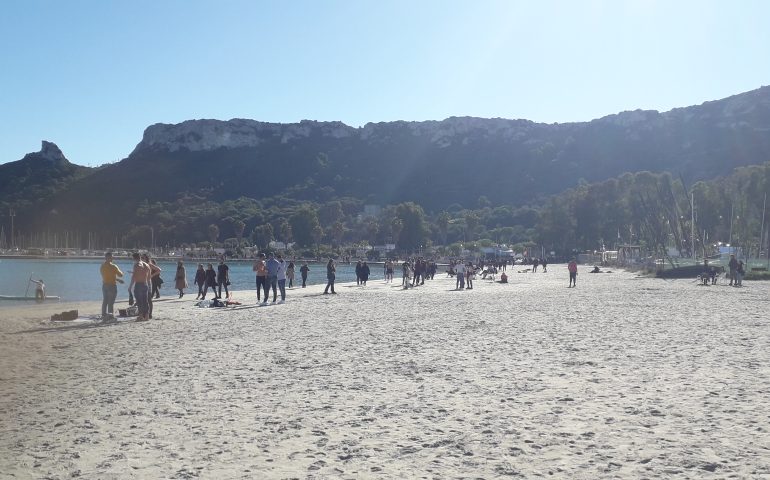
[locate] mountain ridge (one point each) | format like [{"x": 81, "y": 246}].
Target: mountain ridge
[{"x": 435, "y": 163}]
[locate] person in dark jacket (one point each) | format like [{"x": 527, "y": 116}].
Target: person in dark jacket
[
  {"x": 358, "y": 273},
  {"x": 331, "y": 269},
  {"x": 200, "y": 280},
  {"x": 733, "y": 264},
  {"x": 223, "y": 278},
  {"x": 211, "y": 281},
  {"x": 365, "y": 272},
  {"x": 303, "y": 270}
]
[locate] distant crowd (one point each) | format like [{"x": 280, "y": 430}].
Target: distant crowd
[{"x": 275, "y": 274}]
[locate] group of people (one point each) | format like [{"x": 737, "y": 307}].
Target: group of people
[
  {"x": 144, "y": 285},
  {"x": 362, "y": 273},
  {"x": 273, "y": 273},
  {"x": 205, "y": 279}
]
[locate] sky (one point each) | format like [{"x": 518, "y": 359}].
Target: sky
[{"x": 91, "y": 75}]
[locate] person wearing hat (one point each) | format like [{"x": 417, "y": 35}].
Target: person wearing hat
[{"x": 110, "y": 277}]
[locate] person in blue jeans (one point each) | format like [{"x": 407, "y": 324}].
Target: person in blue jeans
[
  {"x": 282, "y": 278},
  {"x": 273, "y": 266},
  {"x": 111, "y": 276},
  {"x": 140, "y": 280}
]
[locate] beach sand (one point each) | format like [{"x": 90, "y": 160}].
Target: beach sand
[{"x": 621, "y": 377}]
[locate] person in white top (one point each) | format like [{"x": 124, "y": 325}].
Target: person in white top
[
  {"x": 282, "y": 278},
  {"x": 460, "y": 271}
]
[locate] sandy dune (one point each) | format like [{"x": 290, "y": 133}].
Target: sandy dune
[{"x": 621, "y": 377}]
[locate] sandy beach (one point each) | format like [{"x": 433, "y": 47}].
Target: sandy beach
[{"x": 622, "y": 377}]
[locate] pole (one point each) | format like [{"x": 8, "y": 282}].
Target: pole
[
  {"x": 12, "y": 214},
  {"x": 692, "y": 224},
  {"x": 762, "y": 229},
  {"x": 28, "y": 282},
  {"x": 732, "y": 209}
]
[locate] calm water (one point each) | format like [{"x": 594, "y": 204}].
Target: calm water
[{"x": 78, "y": 280}]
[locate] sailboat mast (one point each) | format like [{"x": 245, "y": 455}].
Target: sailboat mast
[
  {"x": 762, "y": 228},
  {"x": 692, "y": 224}
]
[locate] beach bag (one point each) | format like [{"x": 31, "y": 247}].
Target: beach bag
[{"x": 131, "y": 311}]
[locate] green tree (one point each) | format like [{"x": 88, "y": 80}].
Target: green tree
[
  {"x": 337, "y": 232},
  {"x": 330, "y": 212},
  {"x": 414, "y": 232},
  {"x": 372, "y": 229},
  {"x": 213, "y": 233},
  {"x": 262, "y": 235},
  {"x": 442, "y": 221},
  {"x": 303, "y": 223},
  {"x": 471, "y": 223},
  {"x": 285, "y": 231},
  {"x": 317, "y": 234},
  {"x": 396, "y": 225},
  {"x": 238, "y": 227}
]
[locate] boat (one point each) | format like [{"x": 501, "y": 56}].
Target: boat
[
  {"x": 686, "y": 271},
  {"x": 48, "y": 298}
]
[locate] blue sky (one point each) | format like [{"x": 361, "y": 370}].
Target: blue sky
[{"x": 92, "y": 75}]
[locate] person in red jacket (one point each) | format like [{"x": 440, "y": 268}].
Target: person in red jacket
[{"x": 572, "y": 267}]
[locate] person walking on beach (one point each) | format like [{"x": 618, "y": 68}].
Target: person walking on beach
[
  {"x": 223, "y": 278},
  {"x": 469, "y": 272},
  {"x": 545, "y": 265},
  {"x": 572, "y": 267},
  {"x": 739, "y": 271},
  {"x": 155, "y": 279},
  {"x": 180, "y": 279},
  {"x": 140, "y": 280},
  {"x": 111, "y": 275},
  {"x": 303, "y": 271},
  {"x": 211, "y": 281},
  {"x": 365, "y": 272},
  {"x": 358, "y": 273},
  {"x": 200, "y": 280},
  {"x": 331, "y": 270},
  {"x": 419, "y": 271},
  {"x": 290, "y": 273},
  {"x": 260, "y": 268},
  {"x": 535, "y": 263},
  {"x": 281, "y": 278},
  {"x": 388, "y": 271},
  {"x": 733, "y": 264},
  {"x": 272, "y": 265}
]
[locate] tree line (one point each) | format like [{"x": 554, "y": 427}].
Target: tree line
[{"x": 652, "y": 210}]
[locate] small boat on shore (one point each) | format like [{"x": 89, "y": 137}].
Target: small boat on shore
[
  {"x": 687, "y": 271},
  {"x": 48, "y": 298}
]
